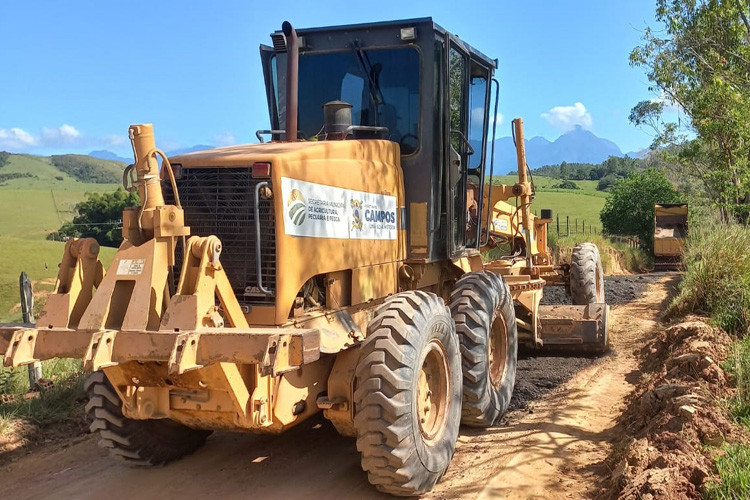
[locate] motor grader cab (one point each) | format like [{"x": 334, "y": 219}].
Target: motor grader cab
[{"x": 337, "y": 267}]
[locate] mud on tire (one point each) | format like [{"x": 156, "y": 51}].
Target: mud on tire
[
  {"x": 408, "y": 396},
  {"x": 586, "y": 275},
  {"x": 139, "y": 443},
  {"x": 482, "y": 308}
]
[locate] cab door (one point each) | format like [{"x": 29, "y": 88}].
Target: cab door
[{"x": 458, "y": 148}]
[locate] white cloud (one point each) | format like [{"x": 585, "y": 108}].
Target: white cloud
[
  {"x": 477, "y": 115},
  {"x": 226, "y": 139},
  {"x": 568, "y": 117},
  {"x": 16, "y": 139},
  {"x": 64, "y": 134},
  {"x": 115, "y": 140}
]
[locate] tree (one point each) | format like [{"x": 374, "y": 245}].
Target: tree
[
  {"x": 629, "y": 208},
  {"x": 99, "y": 217},
  {"x": 564, "y": 170},
  {"x": 607, "y": 182},
  {"x": 700, "y": 63}
]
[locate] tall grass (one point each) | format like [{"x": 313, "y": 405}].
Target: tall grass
[
  {"x": 717, "y": 275},
  {"x": 52, "y": 405},
  {"x": 717, "y": 283},
  {"x": 733, "y": 466},
  {"x": 734, "y": 472},
  {"x": 738, "y": 365}
]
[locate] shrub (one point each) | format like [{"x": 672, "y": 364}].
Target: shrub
[
  {"x": 567, "y": 184},
  {"x": 606, "y": 182},
  {"x": 629, "y": 208},
  {"x": 17, "y": 175},
  {"x": 99, "y": 217}
]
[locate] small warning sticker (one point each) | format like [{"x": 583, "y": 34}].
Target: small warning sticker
[
  {"x": 500, "y": 225},
  {"x": 130, "y": 267}
]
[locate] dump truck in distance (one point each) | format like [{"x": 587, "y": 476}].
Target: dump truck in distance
[
  {"x": 670, "y": 231},
  {"x": 336, "y": 268}
]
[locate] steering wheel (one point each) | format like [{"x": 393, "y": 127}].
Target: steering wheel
[{"x": 402, "y": 142}]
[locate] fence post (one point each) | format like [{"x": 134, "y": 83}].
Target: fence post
[
  {"x": 567, "y": 225},
  {"x": 557, "y": 216},
  {"x": 27, "y": 311},
  {"x": 576, "y": 225}
]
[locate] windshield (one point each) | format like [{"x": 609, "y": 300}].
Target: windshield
[{"x": 381, "y": 85}]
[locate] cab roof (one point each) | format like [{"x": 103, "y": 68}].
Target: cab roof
[{"x": 424, "y": 22}]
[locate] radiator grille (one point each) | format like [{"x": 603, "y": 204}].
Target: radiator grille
[{"x": 220, "y": 201}]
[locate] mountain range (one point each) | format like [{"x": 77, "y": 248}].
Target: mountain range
[
  {"x": 576, "y": 146},
  {"x": 103, "y": 154}
]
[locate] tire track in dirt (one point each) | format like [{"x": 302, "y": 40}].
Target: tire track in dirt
[
  {"x": 552, "y": 448},
  {"x": 558, "y": 448}
]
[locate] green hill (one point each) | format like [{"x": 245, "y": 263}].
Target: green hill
[
  {"x": 36, "y": 197},
  {"x": 87, "y": 169}
]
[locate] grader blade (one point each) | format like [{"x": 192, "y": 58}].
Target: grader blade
[{"x": 580, "y": 328}]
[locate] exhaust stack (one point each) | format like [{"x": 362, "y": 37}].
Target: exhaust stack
[{"x": 292, "y": 69}]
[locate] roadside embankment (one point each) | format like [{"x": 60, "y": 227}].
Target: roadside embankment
[
  {"x": 685, "y": 430},
  {"x": 617, "y": 258},
  {"x": 676, "y": 421}
]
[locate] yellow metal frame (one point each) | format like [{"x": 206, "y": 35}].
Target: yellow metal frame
[{"x": 193, "y": 355}]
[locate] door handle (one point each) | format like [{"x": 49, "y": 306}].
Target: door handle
[{"x": 469, "y": 149}]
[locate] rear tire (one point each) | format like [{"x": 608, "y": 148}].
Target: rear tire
[
  {"x": 482, "y": 308},
  {"x": 586, "y": 275},
  {"x": 408, "y": 396},
  {"x": 587, "y": 285},
  {"x": 139, "y": 443}
]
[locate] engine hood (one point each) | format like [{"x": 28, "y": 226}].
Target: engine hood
[{"x": 247, "y": 154}]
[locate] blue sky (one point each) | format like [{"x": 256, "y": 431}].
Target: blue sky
[{"x": 77, "y": 73}]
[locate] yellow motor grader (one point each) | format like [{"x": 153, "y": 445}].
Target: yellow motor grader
[{"x": 337, "y": 267}]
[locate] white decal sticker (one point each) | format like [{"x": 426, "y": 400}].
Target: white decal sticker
[
  {"x": 320, "y": 211},
  {"x": 130, "y": 267},
  {"x": 500, "y": 225}
]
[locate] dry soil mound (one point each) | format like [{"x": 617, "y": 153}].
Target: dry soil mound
[{"x": 674, "y": 412}]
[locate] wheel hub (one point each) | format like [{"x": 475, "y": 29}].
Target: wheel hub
[
  {"x": 498, "y": 351},
  {"x": 432, "y": 392}
]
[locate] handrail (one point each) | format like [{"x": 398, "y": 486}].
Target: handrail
[
  {"x": 492, "y": 166},
  {"x": 256, "y": 212}
]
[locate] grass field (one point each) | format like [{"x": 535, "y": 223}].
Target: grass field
[
  {"x": 582, "y": 204},
  {"x": 31, "y": 208}
]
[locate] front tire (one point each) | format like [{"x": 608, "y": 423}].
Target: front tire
[
  {"x": 586, "y": 275},
  {"x": 408, "y": 397},
  {"x": 138, "y": 443},
  {"x": 482, "y": 307}
]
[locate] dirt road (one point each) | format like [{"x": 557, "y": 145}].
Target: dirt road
[{"x": 551, "y": 447}]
